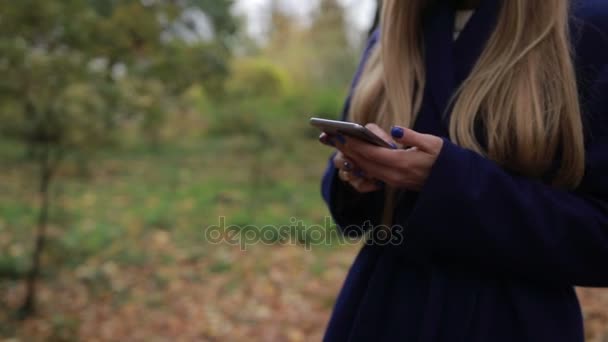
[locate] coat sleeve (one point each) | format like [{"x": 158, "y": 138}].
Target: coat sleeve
[
  {"x": 472, "y": 211},
  {"x": 350, "y": 210}
]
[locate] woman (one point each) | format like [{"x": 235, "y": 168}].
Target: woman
[{"x": 498, "y": 199}]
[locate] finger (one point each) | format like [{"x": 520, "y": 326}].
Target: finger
[
  {"x": 326, "y": 139},
  {"x": 339, "y": 142},
  {"x": 370, "y": 157},
  {"x": 394, "y": 172},
  {"x": 345, "y": 176},
  {"x": 364, "y": 186},
  {"x": 352, "y": 165},
  {"x": 357, "y": 150},
  {"x": 349, "y": 170},
  {"x": 338, "y": 160},
  {"x": 366, "y": 168},
  {"x": 341, "y": 162},
  {"x": 424, "y": 142},
  {"x": 387, "y": 174}
]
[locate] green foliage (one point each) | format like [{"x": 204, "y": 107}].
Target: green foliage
[
  {"x": 73, "y": 71},
  {"x": 317, "y": 57},
  {"x": 218, "y": 11},
  {"x": 77, "y": 72},
  {"x": 197, "y": 98},
  {"x": 334, "y": 57},
  {"x": 185, "y": 128},
  {"x": 49, "y": 98},
  {"x": 254, "y": 78},
  {"x": 327, "y": 103},
  {"x": 11, "y": 267}
]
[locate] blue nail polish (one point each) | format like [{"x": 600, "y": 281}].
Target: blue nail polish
[
  {"x": 360, "y": 174},
  {"x": 348, "y": 166},
  {"x": 397, "y": 132},
  {"x": 394, "y": 146},
  {"x": 341, "y": 139}
]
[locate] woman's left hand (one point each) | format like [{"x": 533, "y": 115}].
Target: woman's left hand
[{"x": 401, "y": 168}]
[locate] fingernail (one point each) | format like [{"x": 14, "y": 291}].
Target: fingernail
[
  {"x": 326, "y": 140},
  {"x": 348, "y": 166},
  {"x": 397, "y": 132},
  {"x": 394, "y": 146},
  {"x": 360, "y": 174},
  {"x": 323, "y": 138},
  {"x": 341, "y": 139},
  {"x": 380, "y": 184}
]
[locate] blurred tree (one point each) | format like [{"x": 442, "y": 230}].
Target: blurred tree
[
  {"x": 319, "y": 55},
  {"x": 281, "y": 24},
  {"x": 219, "y": 12},
  {"x": 335, "y": 58},
  {"x": 74, "y": 70},
  {"x": 204, "y": 60},
  {"x": 329, "y": 23},
  {"x": 257, "y": 78}
]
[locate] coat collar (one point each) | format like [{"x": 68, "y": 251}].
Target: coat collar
[{"x": 448, "y": 63}]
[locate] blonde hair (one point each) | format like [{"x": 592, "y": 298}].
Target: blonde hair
[{"x": 522, "y": 90}]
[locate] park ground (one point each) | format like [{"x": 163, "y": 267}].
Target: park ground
[{"x": 128, "y": 259}]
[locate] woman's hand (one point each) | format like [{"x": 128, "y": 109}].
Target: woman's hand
[
  {"x": 401, "y": 168},
  {"x": 348, "y": 171}
]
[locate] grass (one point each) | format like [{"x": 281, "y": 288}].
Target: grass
[
  {"x": 180, "y": 190},
  {"x": 133, "y": 231},
  {"x": 128, "y": 257}
]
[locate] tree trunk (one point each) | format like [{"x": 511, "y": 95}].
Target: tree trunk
[{"x": 46, "y": 171}]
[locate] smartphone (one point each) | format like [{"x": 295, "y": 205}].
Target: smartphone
[{"x": 350, "y": 129}]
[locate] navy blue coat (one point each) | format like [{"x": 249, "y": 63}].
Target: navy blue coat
[{"x": 487, "y": 255}]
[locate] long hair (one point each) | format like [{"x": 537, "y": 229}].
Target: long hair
[{"x": 522, "y": 90}]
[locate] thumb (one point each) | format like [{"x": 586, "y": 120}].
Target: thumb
[{"x": 410, "y": 138}]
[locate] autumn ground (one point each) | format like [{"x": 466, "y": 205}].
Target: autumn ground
[{"x": 129, "y": 261}]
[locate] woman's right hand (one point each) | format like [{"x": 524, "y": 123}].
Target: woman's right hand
[{"x": 349, "y": 173}]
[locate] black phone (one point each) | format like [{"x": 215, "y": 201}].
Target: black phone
[{"x": 353, "y": 130}]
